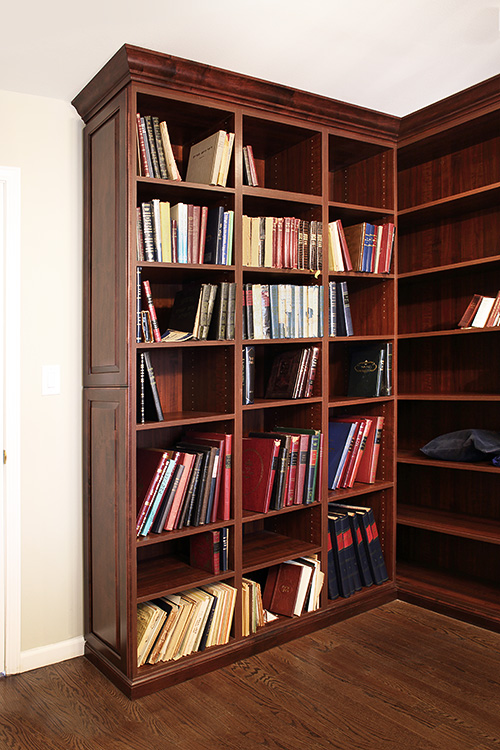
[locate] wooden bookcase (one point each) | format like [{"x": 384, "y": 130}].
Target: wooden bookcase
[
  {"x": 448, "y": 515},
  {"x": 316, "y": 159}
]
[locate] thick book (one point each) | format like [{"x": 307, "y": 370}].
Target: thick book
[
  {"x": 260, "y": 461},
  {"x": 281, "y": 589},
  {"x": 205, "y": 551},
  {"x": 205, "y": 159},
  {"x": 371, "y": 538},
  {"x": 366, "y": 370},
  {"x": 284, "y": 374}
]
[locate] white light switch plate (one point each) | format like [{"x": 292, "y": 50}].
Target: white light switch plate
[{"x": 51, "y": 380}]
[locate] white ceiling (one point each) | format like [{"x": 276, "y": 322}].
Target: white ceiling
[{"x": 392, "y": 55}]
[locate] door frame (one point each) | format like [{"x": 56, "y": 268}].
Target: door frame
[{"x": 10, "y": 422}]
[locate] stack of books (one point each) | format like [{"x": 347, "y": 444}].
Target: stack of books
[
  {"x": 180, "y": 624},
  {"x": 184, "y": 233},
  {"x": 188, "y": 485},
  {"x": 355, "y": 558},
  {"x": 277, "y": 242},
  {"x": 281, "y": 468},
  {"x": 353, "y": 450},
  {"x": 282, "y": 311}
]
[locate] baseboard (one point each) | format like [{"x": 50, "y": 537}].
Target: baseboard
[{"x": 45, "y": 655}]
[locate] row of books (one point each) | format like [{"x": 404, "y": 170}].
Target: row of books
[
  {"x": 282, "y": 311},
  {"x": 353, "y": 450},
  {"x": 174, "y": 626},
  {"x": 339, "y": 310},
  {"x": 187, "y": 485},
  {"x": 293, "y": 587},
  {"x": 208, "y": 162},
  {"x": 281, "y": 468},
  {"x": 200, "y": 311},
  {"x": 276, "y": 242},
  {"x": 361, "y": 247},
  {"x": 292, "y": 374},
  {"x": 355, "y": 558},
  {"x": 370, "y": 370},
  {"x": 154, "y": 149},
  {"x": 184, "y": 233},
  {"x": 481, "y": 312}
]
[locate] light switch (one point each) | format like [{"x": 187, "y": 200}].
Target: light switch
[{"x": 51, "y": 380}]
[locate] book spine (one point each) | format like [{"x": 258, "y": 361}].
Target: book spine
[{"x": 152, "y": 310}]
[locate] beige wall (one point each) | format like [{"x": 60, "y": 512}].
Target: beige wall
[{"x": 43, "y": 137}]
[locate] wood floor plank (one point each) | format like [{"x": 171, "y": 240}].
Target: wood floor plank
[{"x": 396, "y": 678}]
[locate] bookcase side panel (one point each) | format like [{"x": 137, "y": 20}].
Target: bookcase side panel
[
  {"x": 106, "y": 533},
  {"x": 105, "y": 318}
]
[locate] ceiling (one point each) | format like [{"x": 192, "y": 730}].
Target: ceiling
[{"x": 392, "y": 55}]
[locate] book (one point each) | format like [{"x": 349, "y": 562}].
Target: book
[
  {"x": 483, "y": 312},
  {"x": 284, "y": 374},
  {"x": 248, "y": 374},
  {"x": 366, "y": 370},
  {"x": 369, "y": 531},
  {"x": 148, "y": 401},
  {"x": 205, "y": 159},
  {"x": 260, "y": 461},
  {"x": 367, "y": 469},
  {"x": 171, "y": 164},
  {"x": 205, "y": 551},
  {"x": 150, "y": 467},
  {"x": 226, "y": 441},
  {"x": 281, "y": 589},
  {"x": 339, "y": 439}
]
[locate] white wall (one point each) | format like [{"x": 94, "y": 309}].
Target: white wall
[{"x": 43, "y": 137}]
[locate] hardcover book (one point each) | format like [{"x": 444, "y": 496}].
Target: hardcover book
[
  {"x": 205, "y": 159},
  {"x": 260, "y": 460}
]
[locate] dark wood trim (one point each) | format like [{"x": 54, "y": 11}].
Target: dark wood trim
[{"x": 140, "y": 65}]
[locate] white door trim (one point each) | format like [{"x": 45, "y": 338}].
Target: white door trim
[{"x": 10, "y": 359}]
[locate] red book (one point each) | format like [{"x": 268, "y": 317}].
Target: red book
[
  {"x": 282, "y": 588},
  {"x": 303, "y": 460},
  {"x": 260, "y": 459},
  {"x": 349, "y": 475},
  {"x": 343, "y": 246},
  {"x": 204, "y": 551},
  {"x": 152, "y": 311},
  {"x": 367, "y": 469},
  {"x": 186, "y": 460},
  {"x": 150, "y": 466}
]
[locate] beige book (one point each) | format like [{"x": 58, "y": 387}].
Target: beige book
[
  {"x": 172, "y": 169},
  {"x": 205, "y": 159}
]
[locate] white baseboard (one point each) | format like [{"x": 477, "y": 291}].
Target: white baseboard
[{"x": 45, "y": 655}]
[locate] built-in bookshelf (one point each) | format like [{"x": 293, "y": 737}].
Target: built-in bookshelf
[
  {"x": 449, "y": 173},
  {"x": 314, "y": 161}
]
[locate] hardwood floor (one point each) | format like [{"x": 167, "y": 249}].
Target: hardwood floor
[{"x": 397, "y": 677}]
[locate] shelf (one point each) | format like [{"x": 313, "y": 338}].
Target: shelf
[
  {"x": 415, "y": 457},
  {"x": 488, "y": 397},
  {"x": 482, "y": 530},
  {"x": 249, "y": 516},
  {"x": 467, "y": 597},
  {"x": 281, "y": 195},
  {"x": 262, "y": 549},
  {"x": 344, "y": 496},
  {"x": 453, "y": 205},
  {"x": 163, "y": 575},
  {"x": 185, "y": 418},
  {"x": 449, "y": 332},
  {"x": 449, "y": 268},
  {"x": 146, "y": 541}
]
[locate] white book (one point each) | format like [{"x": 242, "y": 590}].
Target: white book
[{"x": 482, "y": 313}]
